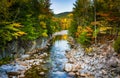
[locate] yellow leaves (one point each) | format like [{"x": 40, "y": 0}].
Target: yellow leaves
[
  {"x": 84, "y": 30},
  {"x": 43, "y": 24},
  {"x": 42, "y": 16},
  {"x": 64, "y": 22},
  {"x": 88, "y": 30},
  {"x": 88, "y": 34},
  {"x": 44, "y": 34},
  {"x": 79, "y": 28},
  {"x": 109, "y": 28},
  {"x": 105, "y": 28},
  {"x": 70, "y": 15},
  {"x": 18, "y": 34},
  {"x": 89, "y": 49},
  {"x": 21, "y": 33},
  {"x": 16, "y": 25},
  {"x": 13, "y": 27}
]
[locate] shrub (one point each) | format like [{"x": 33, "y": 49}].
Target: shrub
[
  {"x": 5, "y": 60},
  {"x": 117, "y": 45}
]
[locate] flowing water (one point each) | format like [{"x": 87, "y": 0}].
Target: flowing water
[{"x": 58, "y": 59}]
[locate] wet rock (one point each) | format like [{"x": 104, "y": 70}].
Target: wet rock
[
  {"x": 77, "y": 73},
  {"x": 112, "y": 62},
  {"x": 25, "y": 56},
  {"x": 45, "y": 54},
  {"x": 104, "y": 72},
  {"x": 71, "y": 60},
  {"x": 83, "y": 75},
  {"x": 22, "y": 76},
  {"x": 114, "y": 54},
  {"x": 66, "y": 51},
  {"x": 48, "y": 44},
  {"x": 116, "y": 70},
  {"x": 22, "y": 63},
  {"x": 117, "y": 76},
  {"x": 91, "y": 54},
  {"x": 103, "y": 62},
  {"x": 11, "y": 74},
  {"x": 71, "y": 73},
  {"x": 44, "y": 62},
  {"x": 68, "y": 67},
  {"x": 42, "y": 73},
  {"x": 75, "y": 67}
]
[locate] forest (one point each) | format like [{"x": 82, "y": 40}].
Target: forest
[{"x": 92, "y": 22}]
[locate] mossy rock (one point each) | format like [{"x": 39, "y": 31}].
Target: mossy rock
[{"x": 35, "y": 72}]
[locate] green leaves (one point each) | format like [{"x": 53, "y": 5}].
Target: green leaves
[
  {"x": 9, "y": 31},
  {"x": 24, "y": 19},
  {"x": 117, "y": 45}
]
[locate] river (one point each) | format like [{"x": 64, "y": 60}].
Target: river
[
  {"x": 58, "y": 59},
  {"x": 54, "y": 66}
]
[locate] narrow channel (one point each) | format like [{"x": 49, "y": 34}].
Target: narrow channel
[{"x": 58, "y": 59}]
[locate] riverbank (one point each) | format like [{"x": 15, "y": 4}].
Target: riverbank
[
  {"x": 21, "y": 66},
  {"x": 102, "y": 62},
  {"x": 33, "y": 64}
]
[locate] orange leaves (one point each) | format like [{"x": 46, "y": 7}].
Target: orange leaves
[
  {"x": 89, "y": 29},
  {"x": 86, "y": 29},
  {"x": 103, "y": 14},
  {"x": 77, "y": 34},
  {"x": 95, "y": 23}
]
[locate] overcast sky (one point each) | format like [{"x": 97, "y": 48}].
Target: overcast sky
[{"x": 59, "y": 6}]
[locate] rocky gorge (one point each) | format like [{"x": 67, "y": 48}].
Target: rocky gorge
[
  {"x": 64, "y": 58},
  {"x": 20, "y": 66}
]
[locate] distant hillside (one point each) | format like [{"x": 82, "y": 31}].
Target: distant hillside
[{"x": 64, "y": 14}]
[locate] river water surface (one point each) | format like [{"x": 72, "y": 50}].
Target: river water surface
[{"x": 58, "y": 59}]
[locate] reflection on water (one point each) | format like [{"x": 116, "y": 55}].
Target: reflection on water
[
  {"x": 58, "y": 59},
  {"x": 60, "y": 37}
]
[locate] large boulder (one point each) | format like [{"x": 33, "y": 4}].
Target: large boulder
[
  {"x": 68, "y": 67},
  {"x": 112, "y": 62},
  {"x": 25, "y": 56}
]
